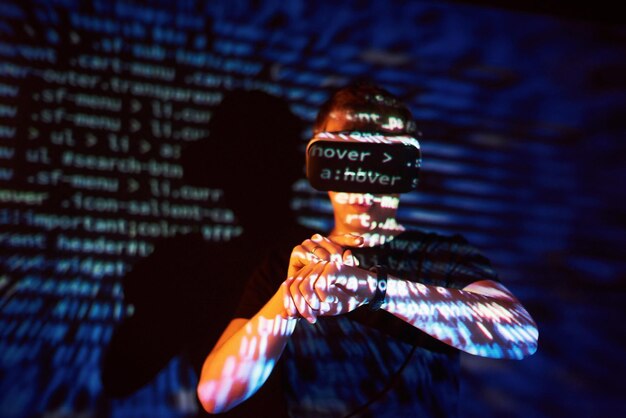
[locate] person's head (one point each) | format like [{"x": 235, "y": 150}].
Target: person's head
[
  {"x": 372, "y": 110},
  {"x": 366, "y": 108}
]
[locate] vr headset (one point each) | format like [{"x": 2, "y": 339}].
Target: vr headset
[{"x": 363, "y": 162}]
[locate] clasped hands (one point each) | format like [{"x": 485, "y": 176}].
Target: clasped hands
[{"x": 324, "y": 278}]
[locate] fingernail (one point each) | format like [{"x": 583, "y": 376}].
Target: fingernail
[{"x": 316, "y": 238}]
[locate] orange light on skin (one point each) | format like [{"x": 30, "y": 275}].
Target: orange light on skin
[
  {"x": 483, "y": 319},
  {"x": 324, "y": 279},
  {"x": 466, "y": 319},
  {"x": 243, "y": 367}
]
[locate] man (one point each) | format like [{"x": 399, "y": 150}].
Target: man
[{"x": 387, "y": 309}]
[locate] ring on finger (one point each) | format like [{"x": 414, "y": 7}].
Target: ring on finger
[{"x": 315, "y": 249}]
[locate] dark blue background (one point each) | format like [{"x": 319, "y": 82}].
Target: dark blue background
[{"x": 523, "y": 122}]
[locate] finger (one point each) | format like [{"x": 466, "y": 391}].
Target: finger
[
  {"x": 308, "y": 291},
  {"x": 347, "y": 240},
  {"x": 288, "y": 302},
  {"x": 299, "y": 251},
  {"x": 315, "y": 250},
  {"x": 320, "y": 286},
  {"x": 299, "y": 298},
  {"x": 323, "y": 248},
  {"x": 300, "y": 257},
  {"x": 327, "y": 244},
  {"x": 298, "y": 301}
]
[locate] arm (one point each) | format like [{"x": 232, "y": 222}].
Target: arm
[
  {"x": 484, "y": 318},
  {"x": 248, "y": 349},
  {"x": 244, "y": 356}
]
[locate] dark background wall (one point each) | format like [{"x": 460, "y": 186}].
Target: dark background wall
[{"x": 522, "y": 115}]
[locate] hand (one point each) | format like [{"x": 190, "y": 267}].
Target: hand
[
  {"x": 326, "y": 288},
  {"x": 319, "y": 248}
]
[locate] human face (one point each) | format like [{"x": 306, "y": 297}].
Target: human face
[{"x": 361, "y": 212}]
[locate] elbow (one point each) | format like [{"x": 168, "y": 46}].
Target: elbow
[
  {"x": 212, "y": 408},
  {"x": 522, "y": 338},
  {"x": 526, "y": 343},
  {"x": 522, "y": 351},
  {"x": 534, "y": 344},
  {"x": 209, "y": 407},
  {"x": 506, "y": 342},
  {"x": 208, "y": 404},
  {"x": 212, "y": 400},
  {"x": 207, "y": 396},
  {"x": 530, "y": 336}
]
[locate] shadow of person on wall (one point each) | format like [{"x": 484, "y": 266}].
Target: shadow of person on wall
[{"x": 185, "y": 293}]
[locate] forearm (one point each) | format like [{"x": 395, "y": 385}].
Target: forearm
[
  {"x": 239, "y": 366},
  {"x": 491, "y": 326}
]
